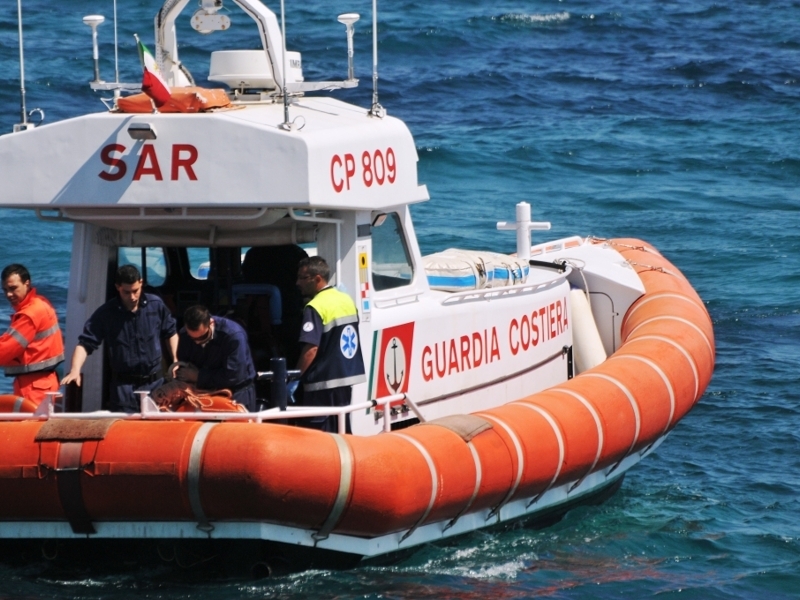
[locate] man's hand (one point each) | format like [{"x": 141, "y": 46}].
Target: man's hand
[
  {"x": 307, "y": 355},
  {"x": 78, "y": 358},
  {"x": 172, "y": 370},
  {"x": 70, "y": 377},
  {"x": 292, "y": 388}
]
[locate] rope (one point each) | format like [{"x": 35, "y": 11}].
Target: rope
[
  {"x": 597, "y": 240},
  {"x": 176, "y": 395},
  {"x": 652, "y": 268}
]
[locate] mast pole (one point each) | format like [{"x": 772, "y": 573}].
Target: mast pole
[
  {"x": 377, "y": 110},
  {"x": 116, "y": 50},
  {"x": 287, "y": 125},
  {"x": 23, "y": 107}
]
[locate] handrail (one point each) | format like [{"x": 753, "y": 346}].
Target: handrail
[
  {"x": 505, "y": 290},
  {"x": 267, "y": 375},
  {"x": 151, "y": 412},
  {"x": 177, "y": 212}
]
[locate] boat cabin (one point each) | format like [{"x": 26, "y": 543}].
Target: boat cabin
[{"x": 219, "y": 194}]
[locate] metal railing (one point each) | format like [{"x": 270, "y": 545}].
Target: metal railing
[
  {"x": 149, "y": 411},
  {"x": 504, "y": 291}
]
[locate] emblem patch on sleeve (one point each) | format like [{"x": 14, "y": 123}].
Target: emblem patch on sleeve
[{"x": 348, "y": 343}]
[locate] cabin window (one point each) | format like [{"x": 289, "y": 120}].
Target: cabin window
[
  {"x": 391, "y": 261},
  {"x": 199, "y": 262},
  {"x": 150, "y": 262}
]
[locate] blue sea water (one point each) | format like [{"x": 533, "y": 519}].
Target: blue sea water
[{"x": 673, "y": 121}]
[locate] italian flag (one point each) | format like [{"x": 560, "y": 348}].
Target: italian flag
[{"x": 153, "y": 83}]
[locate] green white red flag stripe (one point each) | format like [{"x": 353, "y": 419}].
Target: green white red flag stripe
[{"x": 153, "y": 83}]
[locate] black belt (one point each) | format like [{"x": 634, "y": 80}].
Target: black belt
[
  {"x": 130, "y": 379},
  {"x": 245, "y": 384},
  {"x": 42, "y": 372}
]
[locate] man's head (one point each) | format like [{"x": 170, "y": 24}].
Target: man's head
[
  {"x": 313, "y": 274},
  {"x": 16, "y": 283},
  {"x": 128, "y": 282},
  {"x": 199, "y": 323}
]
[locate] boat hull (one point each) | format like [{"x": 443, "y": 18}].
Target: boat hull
[
  {"x": 237, "y": 557},
  {"x": 368, "y": 496}
]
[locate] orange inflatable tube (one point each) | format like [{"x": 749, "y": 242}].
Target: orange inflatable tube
[
  {"x": 11, "y": 403},
  {"x": 370, "y": 486}
]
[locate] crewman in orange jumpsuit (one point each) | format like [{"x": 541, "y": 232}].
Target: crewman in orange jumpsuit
[{"x": 33, "y": 346}]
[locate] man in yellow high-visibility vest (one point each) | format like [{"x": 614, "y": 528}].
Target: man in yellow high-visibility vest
[{"x": 330, "y": 358}]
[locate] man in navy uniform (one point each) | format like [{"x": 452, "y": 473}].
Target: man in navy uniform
[
  {"x": 330, "y": 359},
  {"x": 218, "y": 355},
  {"x": 133, "y": 327}
]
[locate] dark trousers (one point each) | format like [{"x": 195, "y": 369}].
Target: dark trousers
[
  {"x": 246, "y": 397},
  {"x": 121, "y": 397},
  {"x": 333, "y": 397}
]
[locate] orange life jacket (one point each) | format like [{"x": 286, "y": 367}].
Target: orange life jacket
[{"x": 33, "y": 342}]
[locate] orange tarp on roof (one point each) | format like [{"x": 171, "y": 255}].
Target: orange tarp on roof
[{"x": 182, "y": 100}]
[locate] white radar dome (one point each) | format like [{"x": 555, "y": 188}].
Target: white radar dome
[{"x": 250, "y": 69}]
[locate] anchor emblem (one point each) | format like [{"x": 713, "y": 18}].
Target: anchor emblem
[
  {"x": 394, "y": 365},
  {"x": 392, "y": 361}
]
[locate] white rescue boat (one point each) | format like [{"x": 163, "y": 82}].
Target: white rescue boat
[{"x": 499, "y": 386}]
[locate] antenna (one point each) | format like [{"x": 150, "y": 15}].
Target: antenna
[
  {"x": 25, "y": 125},
  {"x": 287, "y": 125},
  {"x": 94, "y": 21},
  {"x": 23, "y": 108},
  {"x": 116, "y": 50},
  {"x": 348, "y": 19},
  {"x": 377, "y": 110}
]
